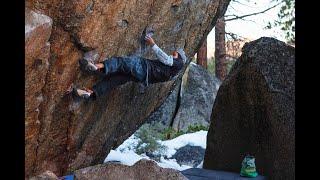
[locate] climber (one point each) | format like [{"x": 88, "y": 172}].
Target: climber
[{"x": 119, "y": 70}]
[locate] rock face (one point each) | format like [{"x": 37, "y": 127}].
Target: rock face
[
  {"x": 141, "y": 170},
  {"x": 189, "y": 155},
  {"x": 254, "y": 112},
  {"x": 64, "y": 134},
  {"x": 48, "y": 175},
  {"x": 198, "y": 92},
  {"x": 37, "y": 51}
]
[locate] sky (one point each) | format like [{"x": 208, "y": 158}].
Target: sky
[{"x": 253, "y": 27}]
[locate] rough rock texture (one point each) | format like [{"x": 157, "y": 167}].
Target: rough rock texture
[
  {"x": 65, "y": 134},
  {"x": 198, "y": 92},
  {"x": 166, "y": 112},
  {"x": 141, "y": 170},
  {"x": 189, "y": 155},
  {"x": 254, "y": 112},
  {"x": 48, "y": 175},
  {"x": 37, "y": 51}
]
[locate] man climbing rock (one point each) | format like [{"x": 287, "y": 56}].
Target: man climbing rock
[{"x": 119, "y": 70}]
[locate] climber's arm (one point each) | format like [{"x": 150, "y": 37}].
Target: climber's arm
[{"x": 161, "y": 55}]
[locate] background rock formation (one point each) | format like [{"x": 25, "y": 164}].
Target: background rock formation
[
  {"x": 190, "y": 102},
  {"x": 64, "y": 134},
  {"x": 167, "y": 111},
  {"x": 254, "y": 112},
  {"x": 198, "y": 92}
]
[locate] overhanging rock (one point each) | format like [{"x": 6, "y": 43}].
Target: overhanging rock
[{"x": 73, "y": 134}]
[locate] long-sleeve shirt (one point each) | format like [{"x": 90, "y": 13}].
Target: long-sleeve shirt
[
  {"x": 164, "y": 68},
  {"x": 162, "y": 56}
]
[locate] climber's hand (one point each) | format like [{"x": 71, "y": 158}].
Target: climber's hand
[
  {"x": 70, "y": 88},
  {"x": 149, "y": 40}
]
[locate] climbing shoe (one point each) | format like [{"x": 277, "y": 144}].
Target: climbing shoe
[
  {"x": 81, "y": 93},
  {"x": 91, "y": 56},
  {"x": 248, "y": 168},
  {"x": 88, "y": 65}
]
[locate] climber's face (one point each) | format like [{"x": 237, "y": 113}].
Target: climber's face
[{"x": 175, "y": 54}]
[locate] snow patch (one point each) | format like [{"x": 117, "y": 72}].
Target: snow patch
[
  {"x": 125, "y": 153},
  {"x": 172, "y": 163},
  {"x": 193, "y": 139},
  {"x": 127, "y": 158}
]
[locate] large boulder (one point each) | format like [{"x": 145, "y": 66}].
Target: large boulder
[
  {"x": 198, "y": 92},
  {"x": 65, "y": 134},
  {"x": 254, "y": 112},
  {"x": 141, "y": 170}
]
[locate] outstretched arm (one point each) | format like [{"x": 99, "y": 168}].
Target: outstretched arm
[{"x": 161, "y": 55}]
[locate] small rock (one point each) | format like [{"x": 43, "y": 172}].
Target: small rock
[{"x": 189, "y": 155}]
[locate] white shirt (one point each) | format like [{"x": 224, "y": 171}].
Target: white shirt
[{"x": 162, "y": 56}]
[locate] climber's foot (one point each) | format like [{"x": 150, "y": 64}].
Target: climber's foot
[
  {"x": 70, "y": 88},
  {"x": 88, "y": 65},
  {"x": 85, "y": 94},
  {"x": 88, "y": 90}
]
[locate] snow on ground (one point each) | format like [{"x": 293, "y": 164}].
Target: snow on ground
[
  {"x": 127, "y": 158},
  {"x": 193, "y": 139},
  {"x": 125, "y": 153}
]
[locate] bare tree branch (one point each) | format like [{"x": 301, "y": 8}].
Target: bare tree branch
[
  {"x": 242, "y": 3},
  {"x": 234, "y": 36},
  {"x": 252, "y": 14},
  {"x": 230, "y": 6},
  {"x": 249, "y": 20}
]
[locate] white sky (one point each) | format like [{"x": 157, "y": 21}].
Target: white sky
[{"x": 247, "y": 28}]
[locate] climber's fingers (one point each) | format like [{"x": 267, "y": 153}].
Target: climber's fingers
[
  {"x": 149, "y": 39},
  {"x": 69, "y": 90}
]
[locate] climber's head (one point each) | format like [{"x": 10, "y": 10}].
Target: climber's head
[
  {"x": 175, "y": 54},
  {"x": 179, "y": 54}
]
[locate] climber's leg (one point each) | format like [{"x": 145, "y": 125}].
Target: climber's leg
[
  {"x": 109, "y": 83},
  {"x": 133, "y": 66},
  {"x": 113, "y": 65}
]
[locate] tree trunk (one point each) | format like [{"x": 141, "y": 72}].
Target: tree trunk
[
  {"x": 202, "y": 55},
  {"x": 220, "y": 49}
]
